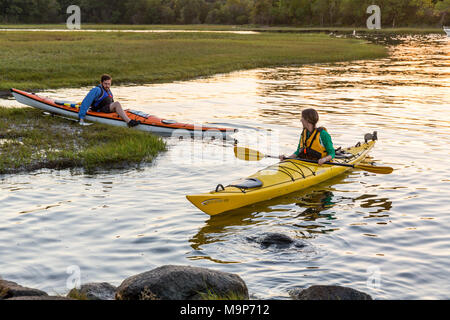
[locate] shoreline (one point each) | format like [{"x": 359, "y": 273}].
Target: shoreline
[
  {"x": 232, "y": 28},
  {"x": 176, "y": 282},
  {"x": 30, "y": 141}
]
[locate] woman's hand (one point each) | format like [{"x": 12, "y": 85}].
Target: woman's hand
[
  {"x": 324, "y": 159},
  {"x": 292, "y": 156}
]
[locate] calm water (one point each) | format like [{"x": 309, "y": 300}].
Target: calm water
[{"x": 387, "y": 235}]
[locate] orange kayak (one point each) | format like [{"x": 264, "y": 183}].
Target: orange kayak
[{"x": 148, "y": 122}]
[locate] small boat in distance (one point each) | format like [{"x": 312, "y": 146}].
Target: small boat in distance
[{"x": 447, "y": 31}]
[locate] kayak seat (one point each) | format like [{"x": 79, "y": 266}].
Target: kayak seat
[{"x": 249, "y": 183}]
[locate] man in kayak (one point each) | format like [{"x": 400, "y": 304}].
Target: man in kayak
[
  {"x": 315, "y": 143},
  {"x": 100, "y": 99}
]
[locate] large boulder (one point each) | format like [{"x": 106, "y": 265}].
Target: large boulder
[
  {"x": 182, "y": 283},
  {"x": 94, "y": 291},
  {"x": 9, "y": 289},
  {"x": 328, "y": 293}
]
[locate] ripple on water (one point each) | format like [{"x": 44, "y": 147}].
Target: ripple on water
[{"x": 386, "y": 235}]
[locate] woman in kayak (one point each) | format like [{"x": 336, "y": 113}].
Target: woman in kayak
[
  {"x": 315, "y": 143},
  {"x": 100, "y": 99}
]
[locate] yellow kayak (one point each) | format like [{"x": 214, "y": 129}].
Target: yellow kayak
[{"x": 275, "y": 181}]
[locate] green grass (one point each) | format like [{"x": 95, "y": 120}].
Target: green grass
[
  {"x": 29, "y": 141},
  {"x": 43, "y": 60},
  {"x": 76, "y": 295},
  {"x": 211, "y": 295}
]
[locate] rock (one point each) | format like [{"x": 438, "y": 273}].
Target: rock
[
  {"x": 328, "y": 293},
  {"x": 9, "y": 289},
  {"x": 278, "y": 240},
  {"x": 94, "y": 291},
  {"x": 181, "y": 283},
  {"x": 40, "y": 298}
]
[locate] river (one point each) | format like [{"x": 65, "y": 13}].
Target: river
[{"x": 386, "y": 235}]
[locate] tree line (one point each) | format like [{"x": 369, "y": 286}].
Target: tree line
[{"x": 308, "y": 13}]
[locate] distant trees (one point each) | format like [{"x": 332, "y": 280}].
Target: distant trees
[
  {"x": 394, "y": 13},
  {"x": 442, "y": 8},
  {"x": 29, "y": 11}
]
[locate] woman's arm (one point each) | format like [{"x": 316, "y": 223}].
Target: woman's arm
[{"x": 328, "y": 144}]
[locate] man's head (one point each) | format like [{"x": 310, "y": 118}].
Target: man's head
[{"x": 106, "y": 81}]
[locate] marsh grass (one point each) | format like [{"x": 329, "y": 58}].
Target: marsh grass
[
  {"x": 29, "y": 141},
  {"x": 211, "y": 295},
  {"x": 76, "y": 295},
  {"x": 43, "y": 60}
]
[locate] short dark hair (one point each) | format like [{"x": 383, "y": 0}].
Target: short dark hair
[{"x": 106, "y": 77}]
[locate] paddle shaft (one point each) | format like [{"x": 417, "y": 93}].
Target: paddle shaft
[{"x": 251, "y": 155}]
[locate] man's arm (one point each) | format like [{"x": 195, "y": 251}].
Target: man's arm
[{"x": 87, "y": 102}]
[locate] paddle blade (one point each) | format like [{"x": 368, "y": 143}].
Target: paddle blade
[
  {"x": 375, "y": 169},
  {"x": 247, "y": 154}
]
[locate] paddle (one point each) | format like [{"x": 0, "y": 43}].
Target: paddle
[{"x": 253, "y": 155}]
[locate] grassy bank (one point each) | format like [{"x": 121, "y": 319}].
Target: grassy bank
[
  {"x": 42, "y": 60},
  {"x": 29, "y": 141}
]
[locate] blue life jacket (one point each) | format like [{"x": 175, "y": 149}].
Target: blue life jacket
[{"x": 105, "y": 99}]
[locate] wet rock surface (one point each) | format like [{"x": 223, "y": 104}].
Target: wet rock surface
[
  {"x": 94, "y": 291},
  {"x": 171, "y": 282},
  {"x": 277, "y": 240},
  {"x": 321, "y": 292},
  {"x": 181, "y": 283},
  {"x": 9, "y": 289}
]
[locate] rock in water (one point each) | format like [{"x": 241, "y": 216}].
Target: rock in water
[
  {"x": 329, "y": 293},
  {"x": 181, "y": 283},
  {"x": 94, "y": 291},
  {"x": 277, "y": 240},
  {"x": 9, "y": 289}
]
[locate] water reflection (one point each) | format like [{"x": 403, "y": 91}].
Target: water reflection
[
  {"x": 381, "y": 205},
  {"x": 311, "y": 203},
  {"x": 350, "y": 223},
  {"x": 315, "y": 203},
  {"x": 220, "y": 226}
]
